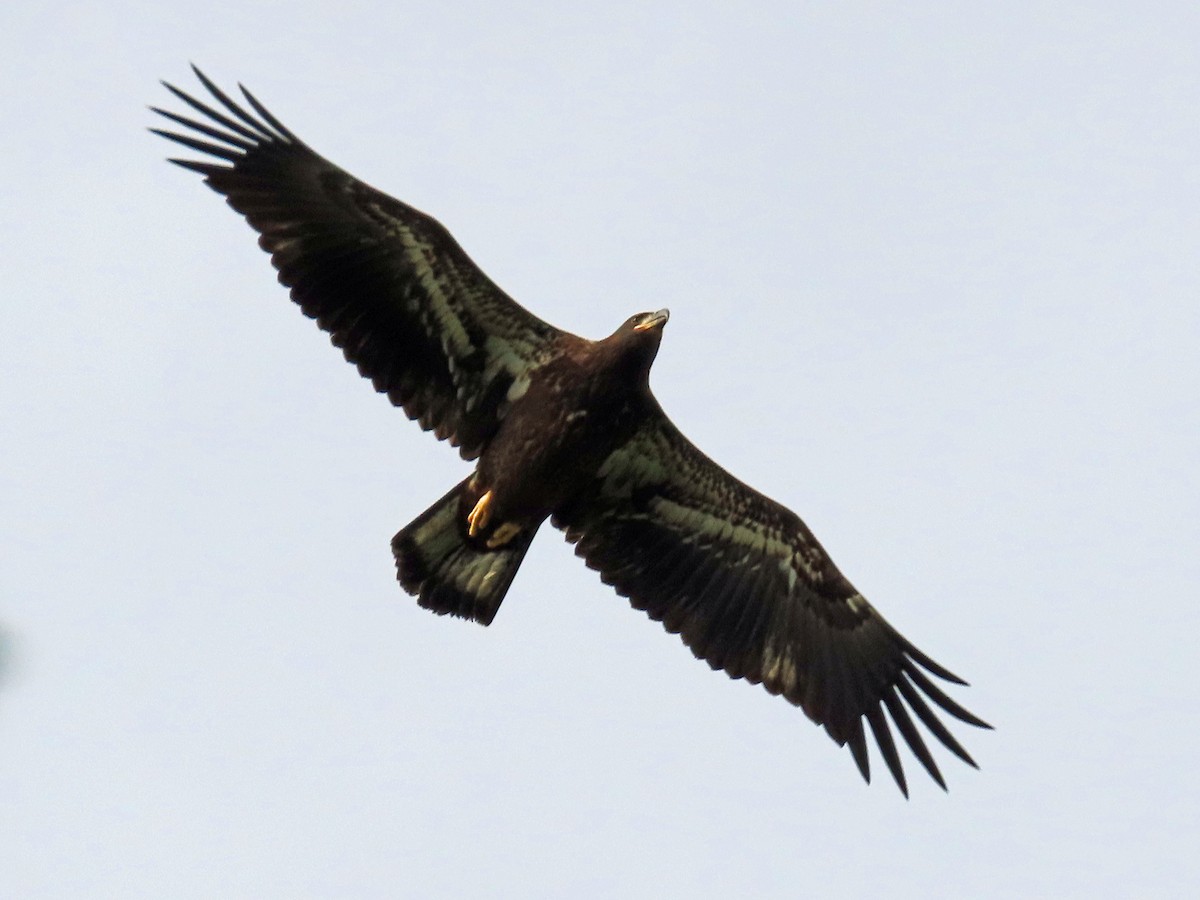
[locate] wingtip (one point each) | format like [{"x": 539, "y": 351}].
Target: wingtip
[
  {"x": 205, "y": 169},
  {"x": 912, "y": 736},
  {"x": 932, "y": 665},
  {"x": 887, "y": 746},
  {"x": 858, "y": 750},
  {"x": 938, "y": 696}
]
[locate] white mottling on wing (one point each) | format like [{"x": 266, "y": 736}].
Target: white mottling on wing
[
  {"x": 517, "y": 389},
  {"x": 789, "y": 573},
  {"x": 779, "y": 668},
  {"x": 716, "y": 528},
  {"x": 455, "y": 340}
]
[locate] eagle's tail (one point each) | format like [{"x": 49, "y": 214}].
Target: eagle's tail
[{"x": 437, "y": 563}]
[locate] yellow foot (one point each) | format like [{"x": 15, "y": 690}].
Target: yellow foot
[
  {"x": 477, "y": 518},
  {"x": 503, "y": 535}
]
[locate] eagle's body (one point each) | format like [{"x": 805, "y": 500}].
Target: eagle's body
[
  {"x": 577, "y": 408},
  {"x": 564, "y": 418},
  {"x": 563, "y": 428}
]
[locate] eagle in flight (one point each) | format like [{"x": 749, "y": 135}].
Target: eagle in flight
[{"x": 566, "y": 429}]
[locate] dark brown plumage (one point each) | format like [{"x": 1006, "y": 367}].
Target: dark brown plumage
[{"x": 567, "y": 429}]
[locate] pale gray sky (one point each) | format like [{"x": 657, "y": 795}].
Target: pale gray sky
[{"x": 934, "y": 284}]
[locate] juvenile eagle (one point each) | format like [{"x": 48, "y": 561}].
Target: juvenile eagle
[{"x": 567, "y": 429}]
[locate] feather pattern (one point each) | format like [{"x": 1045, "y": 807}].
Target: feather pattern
[
  {"x": 750, "y": 590},
  {"x": 390, "y": 285}
]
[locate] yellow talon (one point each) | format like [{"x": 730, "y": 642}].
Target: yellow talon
[{"x": 477, "y": 518}]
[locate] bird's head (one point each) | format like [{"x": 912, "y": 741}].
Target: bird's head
[
  {"x": 636, "y": 341},
  {"x": 644, "y": 330}
]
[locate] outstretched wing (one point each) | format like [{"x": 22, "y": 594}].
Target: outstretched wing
[
  {"x": 750, "y": 590},
  {"x": 389, "y": 283}
]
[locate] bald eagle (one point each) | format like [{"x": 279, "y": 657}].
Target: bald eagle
[{"x": 566, "y": 429}]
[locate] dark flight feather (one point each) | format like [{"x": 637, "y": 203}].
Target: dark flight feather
[
  {"x": 738, "y": 576},
  {"x": 752, "y": 591},
  {"x": 391, "y": 286}
]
